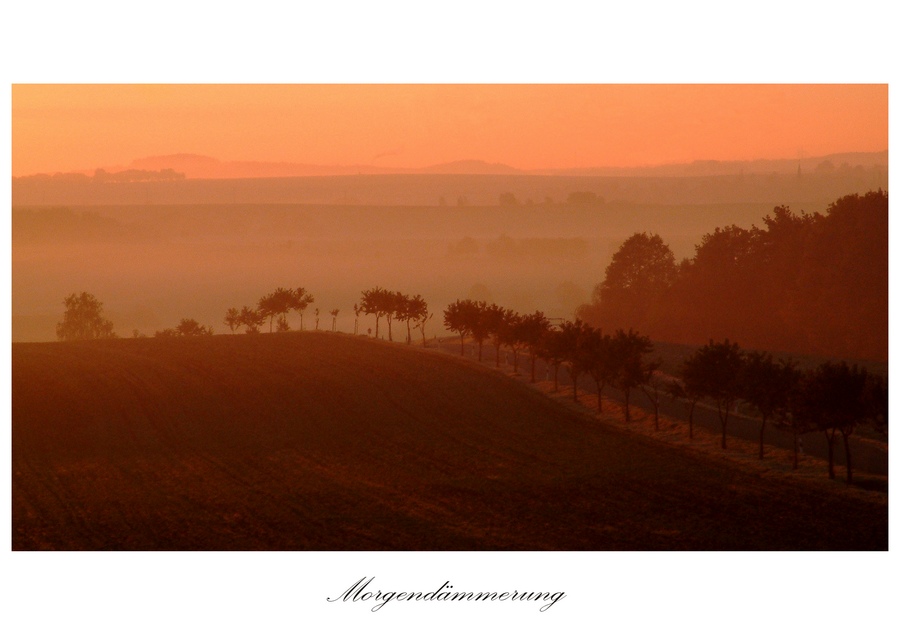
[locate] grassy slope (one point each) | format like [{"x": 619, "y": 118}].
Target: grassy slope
[{"x": 322, "y": 441}]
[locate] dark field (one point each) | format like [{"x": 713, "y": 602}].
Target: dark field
[{"x": 320, "y": 441}]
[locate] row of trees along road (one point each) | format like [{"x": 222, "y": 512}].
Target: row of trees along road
[
  {"x": 831, "y": 398},
  {"x": 807, "y": 283},
  {"x": 619, "y": 359}
]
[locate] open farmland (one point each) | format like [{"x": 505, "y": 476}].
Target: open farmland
[{"x": 322, "y": 441}]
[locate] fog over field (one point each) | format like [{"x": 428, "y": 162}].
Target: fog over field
[{"x": 157, "y": 252}]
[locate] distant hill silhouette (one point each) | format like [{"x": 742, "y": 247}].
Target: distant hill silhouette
[
  {"x": 811, "y": 165},
  {"x": 470, "y": 167},
  {"x": 198, "y": 166}
]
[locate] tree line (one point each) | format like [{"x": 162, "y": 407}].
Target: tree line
[
  {"x": 832, "y": 398},
  {"x": 807, "y": 283}
]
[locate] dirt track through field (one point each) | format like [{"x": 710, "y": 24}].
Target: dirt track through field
[{"x": 329, "y": 442}]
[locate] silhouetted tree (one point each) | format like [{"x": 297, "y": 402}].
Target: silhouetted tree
[
  {"x": 388, "y": 306},
  {"x": 410, "y": 309},
  {"x": 233, "y": 319},
  {"x": 374, "y": 302},
  {"x": 192, "y": 328},
  {"x": 479, "y": 321},
  {"x": 832, "y": 399},
  {"x": 278, "y": 304},
  {"x": 641, "y": 272},
  {"x": 653, "y": 386},
  {"x": 531, "y": 331},
  {"x": 185, "y": 328},
  {"x": 574, "y": 340},
  {"x": 300, "y": 301},
  {"x": 498, "y": 320},
  {"x": 714, "y": 371},
  {"x": 417, "y": 311},
  {"x": 403, "y": 313},
  {"x": 83, "y": 319},
  {"x": 252, "y": 319},
  {"x": 456, "y": 319},
  {"x": 767, "y": 385},
  {"x": 627, "y": 351},
  {"x": 601, "y": 367},
  {"x": 876, "y": 399},
  {"x": 686, "y": 390},
  {"x": 510, "y": 335},
  {"x": 552, "y": 348},
  {"x": 266, "y": 306},
  {"x": 334, "y": 313},
  {"x": 468, "y": 318}
]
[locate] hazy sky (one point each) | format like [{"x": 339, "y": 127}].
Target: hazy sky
[{"x": 82, "y": 127}]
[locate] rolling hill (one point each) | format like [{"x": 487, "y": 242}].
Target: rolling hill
[{"x": 323, "y": 441}]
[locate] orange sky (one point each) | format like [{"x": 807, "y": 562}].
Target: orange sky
[{"x": 82, "y": 127}]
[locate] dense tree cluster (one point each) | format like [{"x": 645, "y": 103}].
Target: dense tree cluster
[{"x": 807, "y": 283}]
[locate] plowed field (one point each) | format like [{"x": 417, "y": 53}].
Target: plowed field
[{"x": 322, "y": 441}]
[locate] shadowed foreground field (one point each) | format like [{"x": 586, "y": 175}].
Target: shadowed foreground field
[{"x": 328, "y": 442}]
